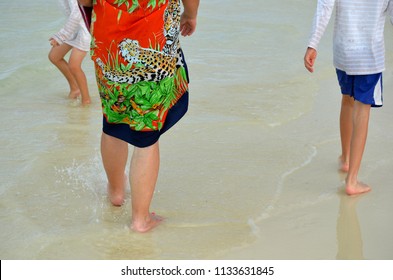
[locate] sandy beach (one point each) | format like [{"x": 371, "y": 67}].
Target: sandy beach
[{"x": 251, "y": 172}]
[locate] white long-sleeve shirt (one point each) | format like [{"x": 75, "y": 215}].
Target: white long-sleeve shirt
[
  {"x": 74, "y": 32},
  {"x": 358, "y": 40}
]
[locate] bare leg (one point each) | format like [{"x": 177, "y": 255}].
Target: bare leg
[
  {"x": 361, "y": 115},
  {"x": 75, "y": 66},
  {"x": 346, "y": 127},
  {"x": 143, "y": 177},
  {"x": 114, "y": 154},
  {"x": 56, "y": 56}
]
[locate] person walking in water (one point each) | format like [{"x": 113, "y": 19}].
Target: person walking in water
[
  {"x": 142, "y": 80},
  {"x": 74, "y": 37},
  {"x": 359, "y": 59}
]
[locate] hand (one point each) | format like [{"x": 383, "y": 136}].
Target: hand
[
  {"x": 187, "y": 25},
  {"x": 309, "y": 59},
  {"x": 53, "y": 42}
]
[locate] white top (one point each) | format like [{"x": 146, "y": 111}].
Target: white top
[
  {"x": 358, "y": 41},
  {"x": 74, "y": 32}
]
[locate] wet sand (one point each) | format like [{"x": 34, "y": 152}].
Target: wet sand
[
  {"x": 249, "y": 173},
  {"x": 311, "y": 217}
]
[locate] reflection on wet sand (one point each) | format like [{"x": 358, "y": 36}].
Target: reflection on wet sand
[{"x": 349, "y": 237}]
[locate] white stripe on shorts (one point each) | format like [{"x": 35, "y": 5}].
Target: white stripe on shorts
[{"x": 378, "y": 92}]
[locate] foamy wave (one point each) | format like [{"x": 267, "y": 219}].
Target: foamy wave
[
  {"x": 266, "y": 213},
  {"x": 8, "y": 72}
]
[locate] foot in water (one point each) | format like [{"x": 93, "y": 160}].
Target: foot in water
[
  {"x": 86, "y": 101},
  {"x": 343, "y": 165},
  {"x": 74, "y": 94},
  {"x": 116, "y": 195},
  {"x": 146, "y": 224},
  {"x": 356, "y": 188}
]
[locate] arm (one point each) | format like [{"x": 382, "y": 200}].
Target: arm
[
  {"x": 321, "y": 20},
  {"x": 86, "y": 3},
  {"x": 188, "y": 19}
]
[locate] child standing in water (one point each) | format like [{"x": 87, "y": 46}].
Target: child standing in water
[
  {"x": 73, "y": 37},
  {"x": 359, "y": 59}
]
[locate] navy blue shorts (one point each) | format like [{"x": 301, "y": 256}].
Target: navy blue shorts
[
  {"x": 144, "y": 139},
  {"x": 366, "y": 89}
]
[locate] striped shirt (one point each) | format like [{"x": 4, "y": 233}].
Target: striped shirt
[
  {"x": 358, "y": 40},
  {"x": 74, "y": 31}
]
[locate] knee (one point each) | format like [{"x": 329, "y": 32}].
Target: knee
[
  {"x": 52, "y": 58},
  {"x": 74, "y": 67},
  {"x": 348, "y": 100}
]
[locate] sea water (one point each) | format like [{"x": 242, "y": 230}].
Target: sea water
[{"x": 235, "y": 164}]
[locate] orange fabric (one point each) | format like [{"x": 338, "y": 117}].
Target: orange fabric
[
  {"x": 110, "y": 28},
  {"x": 140, "y": 69}
]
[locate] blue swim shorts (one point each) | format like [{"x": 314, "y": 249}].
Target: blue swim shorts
[{"x": 366, "y": 89}]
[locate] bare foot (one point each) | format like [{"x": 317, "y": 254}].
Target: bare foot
[
  {"x": 357, "y": 188},
  {"x": 343, "y": 165},
  {"x": 74, "y": 94},
  {"x": 86, "y": 101},
  {"x": 146, "y": 224},
  {"x": 116, "y": 196}
]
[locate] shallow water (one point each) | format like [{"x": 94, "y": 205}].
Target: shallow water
[{"x": 248, "y": 173}]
